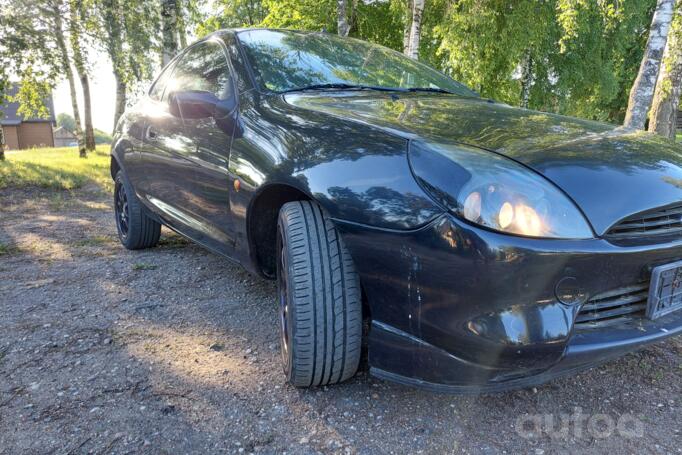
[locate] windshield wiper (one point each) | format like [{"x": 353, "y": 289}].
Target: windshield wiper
[
  {"x": 342, "y": 86},
  {"x": 428, "y": 89}
]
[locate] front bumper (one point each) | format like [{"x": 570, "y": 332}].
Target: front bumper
[{"x": 462, "y": 309}]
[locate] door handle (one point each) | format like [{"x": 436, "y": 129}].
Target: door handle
[{"x": 151, "y": 135}]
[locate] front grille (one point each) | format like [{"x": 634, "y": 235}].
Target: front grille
[
  {"x": 613, "y": 307},
  {"x": 667, "y": 220}
]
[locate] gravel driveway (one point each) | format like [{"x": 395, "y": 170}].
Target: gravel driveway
[{"x": 174, "y": 350}]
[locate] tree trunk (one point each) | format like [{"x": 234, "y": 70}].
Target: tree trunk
[
  {"x": 169, "y": 30},
  {"x": 342, "y": 18},
  {"x": 181, "y": 25},
  {"x": 79, "y": 62},
  {"x": 87, "y": 113},
  {"x": 415, "y": 29},
  {"x": 407, "y": 28},
  {"x": 66, "y": 67},
  {"x": 526, "y": 78},
  {"x": 352, "y": 22},
  {"x": 113, "y": 27},
  {"x": 2, "y": 145},
  {"x": 663, "y": 116},
  {"x": 121, "y": 95},
  {"x": 642, "y": 91}
]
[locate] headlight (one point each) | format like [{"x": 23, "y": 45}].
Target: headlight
[{"x": 496, "y": 192}]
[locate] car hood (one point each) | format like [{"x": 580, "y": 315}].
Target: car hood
[{"x": 611, "y": 173}]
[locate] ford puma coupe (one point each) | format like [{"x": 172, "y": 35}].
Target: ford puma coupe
[{"x": 486, "y": 247}]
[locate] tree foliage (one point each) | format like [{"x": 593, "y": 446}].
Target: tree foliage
[
  {"x": 314, "y": 15},
  {"x": 128, "y": 32},
  {"x": 66, "y": 121},
  {"x": 576, "y": 57},
  {"x": 233, "y": 14},
  {"x": 29, "y": 53},
  {"x": 584, "y": 53},
  {"x": 665, "y": 104}
]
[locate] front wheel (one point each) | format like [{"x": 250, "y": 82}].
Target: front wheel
[
  {"x": 136, "y": 230},
  {"x": 319, "y": 298}
]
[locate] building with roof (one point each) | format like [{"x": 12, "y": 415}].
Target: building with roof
[
  {"x": 64, "y": 138},
  {"x": 23, "y": 133}
]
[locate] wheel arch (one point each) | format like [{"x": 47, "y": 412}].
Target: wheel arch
[
  {"x": 118, "y": 149},
  {"x": 262, "y": 219},
  {"x": 261, "y": 222},
  {"x": 114, "y": 166}
]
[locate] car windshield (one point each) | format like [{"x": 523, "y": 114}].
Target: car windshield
[{"x": 288, "y": 61}]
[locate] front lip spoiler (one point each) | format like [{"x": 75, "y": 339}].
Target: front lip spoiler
[
  {"x": 453, "y": 389},
  {"x": 586, "y": 350}
]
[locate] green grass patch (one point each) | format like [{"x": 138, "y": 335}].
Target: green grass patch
[
  {"x": 174, "y": 241},
  {"x": 98, "y": 240},
  {"x": 56, "y": 168},
  {"x": 6, "y": 249},
  {"x": 3, "y": 353},
  {"x": 143, "y": 266}
]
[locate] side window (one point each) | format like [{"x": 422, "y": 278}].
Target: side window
[
  {"x": 156, "y": 92},
  {"x": 203, "y": 67}
]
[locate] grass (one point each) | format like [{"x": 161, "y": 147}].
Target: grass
[
  {"x": 55, "y": 168},
  {"x": 6, "y": 250},
  {"x": 143, "y": 266},
  {"x": 98, "y": 240},
  {"x": 174, "y": 241}
]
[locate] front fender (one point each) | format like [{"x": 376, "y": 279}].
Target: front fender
[
  {"x": 117, "y": 155},
  {"x": 370, "y": 185},
  {"x": 357, "y": 173}
]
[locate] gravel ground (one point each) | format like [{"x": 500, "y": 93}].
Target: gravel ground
[{"x": 174, "y": 350}]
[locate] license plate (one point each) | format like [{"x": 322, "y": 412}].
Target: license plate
[{"x": 665, "y": 293}]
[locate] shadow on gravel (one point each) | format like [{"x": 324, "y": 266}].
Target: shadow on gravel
[
  {"x": 225, "y": 351},
  {"x": 175, "y": 350}
]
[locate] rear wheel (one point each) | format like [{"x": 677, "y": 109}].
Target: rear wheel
[
  {"x": 136, "y": 230},
  {"x": 319, "y": 298}
]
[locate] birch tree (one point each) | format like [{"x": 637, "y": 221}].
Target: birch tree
[
  {"x": 526, "y": 78},
  {"x": 342, "y": 18},
  {"x": 4, "y": 83},
  {"x": 415, "y": 29},
  {"x": 408, "y": 27},
  {"x": 113, "y": 25},
  {"x": 76, "y": 22},
  {"x": 642, "y": 91},
  {"x": 125, "y": 30},
  {"x": 663, "y": 115},
  {"x": 169, "y": 30},
  {"x": 58, "y": 33},
  {"x": 181, "y": 26}
]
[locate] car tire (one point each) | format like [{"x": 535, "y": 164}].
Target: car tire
[
  {"x": 319, "y": 298},
  {"x": 136, "y": 230}
]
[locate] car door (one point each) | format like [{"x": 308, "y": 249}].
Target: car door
[
  {"x": 165, "y": 156},
  {"x": 208, "y": 70},
  {"x": 139, "y": 117}
]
